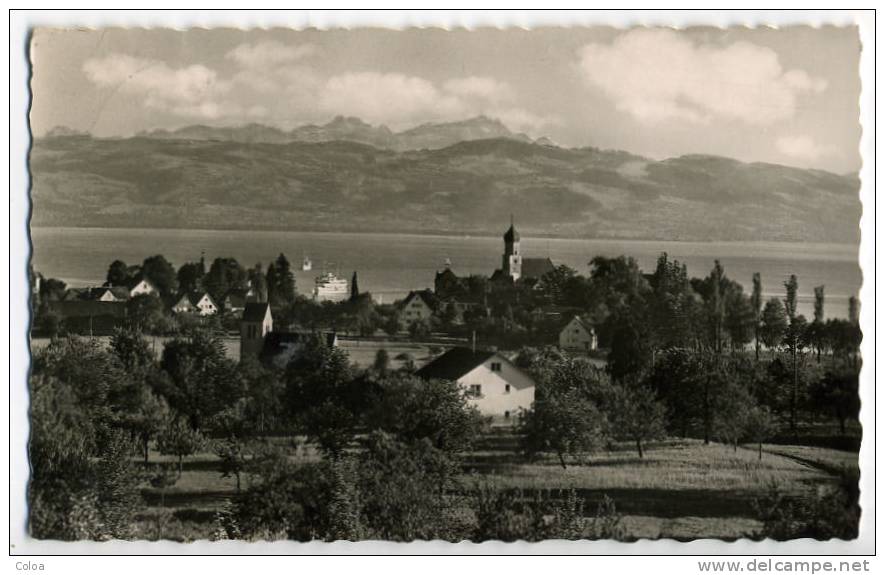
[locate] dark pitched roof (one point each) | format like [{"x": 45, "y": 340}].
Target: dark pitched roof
[
  {"x": 585, "y": 324},
  {"x": 195, "y": 297},
  {"x": 425, "y": 295},
  {"x": 454, "y": 363},
  {"x": 255, "y": 311},
  {"x": 511, "y": 235},
  {"x": 137, "y": 280},
  {"x": 536, "y": 267}
]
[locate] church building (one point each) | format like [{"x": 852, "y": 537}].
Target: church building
[{"x": 514, "y": 267}]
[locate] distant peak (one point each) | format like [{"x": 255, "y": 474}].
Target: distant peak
[{"x": 61, "y": 131}]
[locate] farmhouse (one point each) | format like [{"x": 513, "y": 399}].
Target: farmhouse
[
  {"x": 197, "y": 302},
  {"x": 578, "y": 335},
  {"x": 418, "y": 305},
  {"x": 497, "y": 388}
]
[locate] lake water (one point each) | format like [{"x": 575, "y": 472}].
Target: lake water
[{"x": 389, "y": 265}]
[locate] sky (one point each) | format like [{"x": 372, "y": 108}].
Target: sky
[{"x": 786, "y": 96}]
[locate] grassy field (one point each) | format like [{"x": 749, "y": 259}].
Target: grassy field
[{"x": 681, "y": 489}]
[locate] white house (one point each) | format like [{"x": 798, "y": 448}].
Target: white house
[
  {"x": 578, "y": 335},
  {"x": 417, "y": 306},
  {"x": 200, "y": 303},
  {"x": 492, "y": 383},
  {"x": 141, "y": 285}
]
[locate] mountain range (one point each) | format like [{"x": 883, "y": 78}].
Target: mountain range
[
  {"x": 426, "y": 136},
  {"x": 462, "y": 177}
]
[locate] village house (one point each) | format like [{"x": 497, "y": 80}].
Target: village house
[
  {"x": 578, "y": 335},
  {"x": 200, "y": 303},
  {"x": 417, "y": 306},
  {"x": 101, "y": 294},
  {"x": 259, "y": 340},
  {"x": 492, "y": 383},
  {"x": 140, "y": 285}
]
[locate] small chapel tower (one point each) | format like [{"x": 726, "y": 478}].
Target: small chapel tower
[{"x": 512, "y": 261}]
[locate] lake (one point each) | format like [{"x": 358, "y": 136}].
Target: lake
[{"x": 389, "y": 265}]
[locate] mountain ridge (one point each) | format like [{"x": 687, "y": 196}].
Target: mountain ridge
[{"x": 461, "y": 188}]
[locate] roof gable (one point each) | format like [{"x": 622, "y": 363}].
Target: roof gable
[
  {"x": 454, "y": 363},
  {"x": 423, "y": 296},
  {"x": 256, "y": 311}
]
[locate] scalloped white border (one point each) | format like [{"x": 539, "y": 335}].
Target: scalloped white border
[{"x": 21, "y": 21}]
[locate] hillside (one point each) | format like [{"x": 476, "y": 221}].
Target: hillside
[{"x": 469, "y": 187}]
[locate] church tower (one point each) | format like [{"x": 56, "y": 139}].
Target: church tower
[{"x": 512, "y": 262}]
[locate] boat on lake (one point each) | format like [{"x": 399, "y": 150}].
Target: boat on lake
[{"x": 330, "y": 287}]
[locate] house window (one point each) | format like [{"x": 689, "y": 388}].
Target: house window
[
  {"x": 507, "y": 388},
  {"x": 475, "y": 390},
  {"x": 506, "y": 415},
  {"x": 496, "y": 366}
]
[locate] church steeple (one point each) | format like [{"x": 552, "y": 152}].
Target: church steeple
[
  {"x": 512, "y": 236},
  {"x": 512, "y": 260}
]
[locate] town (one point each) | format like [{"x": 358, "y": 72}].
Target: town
[{"x": 530, "y": 369}]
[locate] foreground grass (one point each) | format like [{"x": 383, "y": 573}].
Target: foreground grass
[
  {"x": 681, "y": 489},
  {"x": 671, "y": 465}
]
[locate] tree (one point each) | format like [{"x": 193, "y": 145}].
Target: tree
[
  {"x": 631, "y": 349},
  {"x": 566, "y": 424},
  {"x": 161, "y": 273},
  {"x": 280, "y": 282},
  {"x": 740, "y": 318},
  {"x": 419, "y": 329},
  {"x": 732, "y": 410},
  {"x": 671, "y": 304},
  {"x": 145, "y": 313},
  {"x": 133, "y": 351},
  {"x": 258, "y": 282},
  {"x": 637, "y": 414},
  {"x": 233, "y": 459},
  {"x": 52, "y": 289},
  {"x": 202, "y": 380},
  {"x": 190, "y": 276},
  {"x": 323, "y": 396},
  {"x": 412, "y": 408},
  {"x": 794, "y": 338},
  {"x": 224, "y": 275},
  {"x": 678, "y": 378},
  {"x": 382, "y": 362},
  {"x": 836, "y": 394},
  {"x": 180, "y": 440},
  {"x": 354, "y": 287},
  {"x": 553, "y": 284},
  {"x": 118, "y": 274},
  {"x": 82, "y": 482},
  {"x": 774, "y": 324},
  {"x": 756, "y": 302},
  {"x": 760, "y": 425}
]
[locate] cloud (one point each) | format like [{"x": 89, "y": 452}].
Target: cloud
[
  {"x": 658, "y": 75},
  {"x": 269, "y": 53},
  {"x": 394, "y": 99},
  {"x": 271, "y": 81},
  {"x": 190, "y": 90},
  {"x": 800, "y": 147},
  {"x": 485, "y": 88},
  {"x": 399, "y": 100}
]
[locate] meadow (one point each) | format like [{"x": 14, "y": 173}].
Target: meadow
[{"x": 681, "y": 489}]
